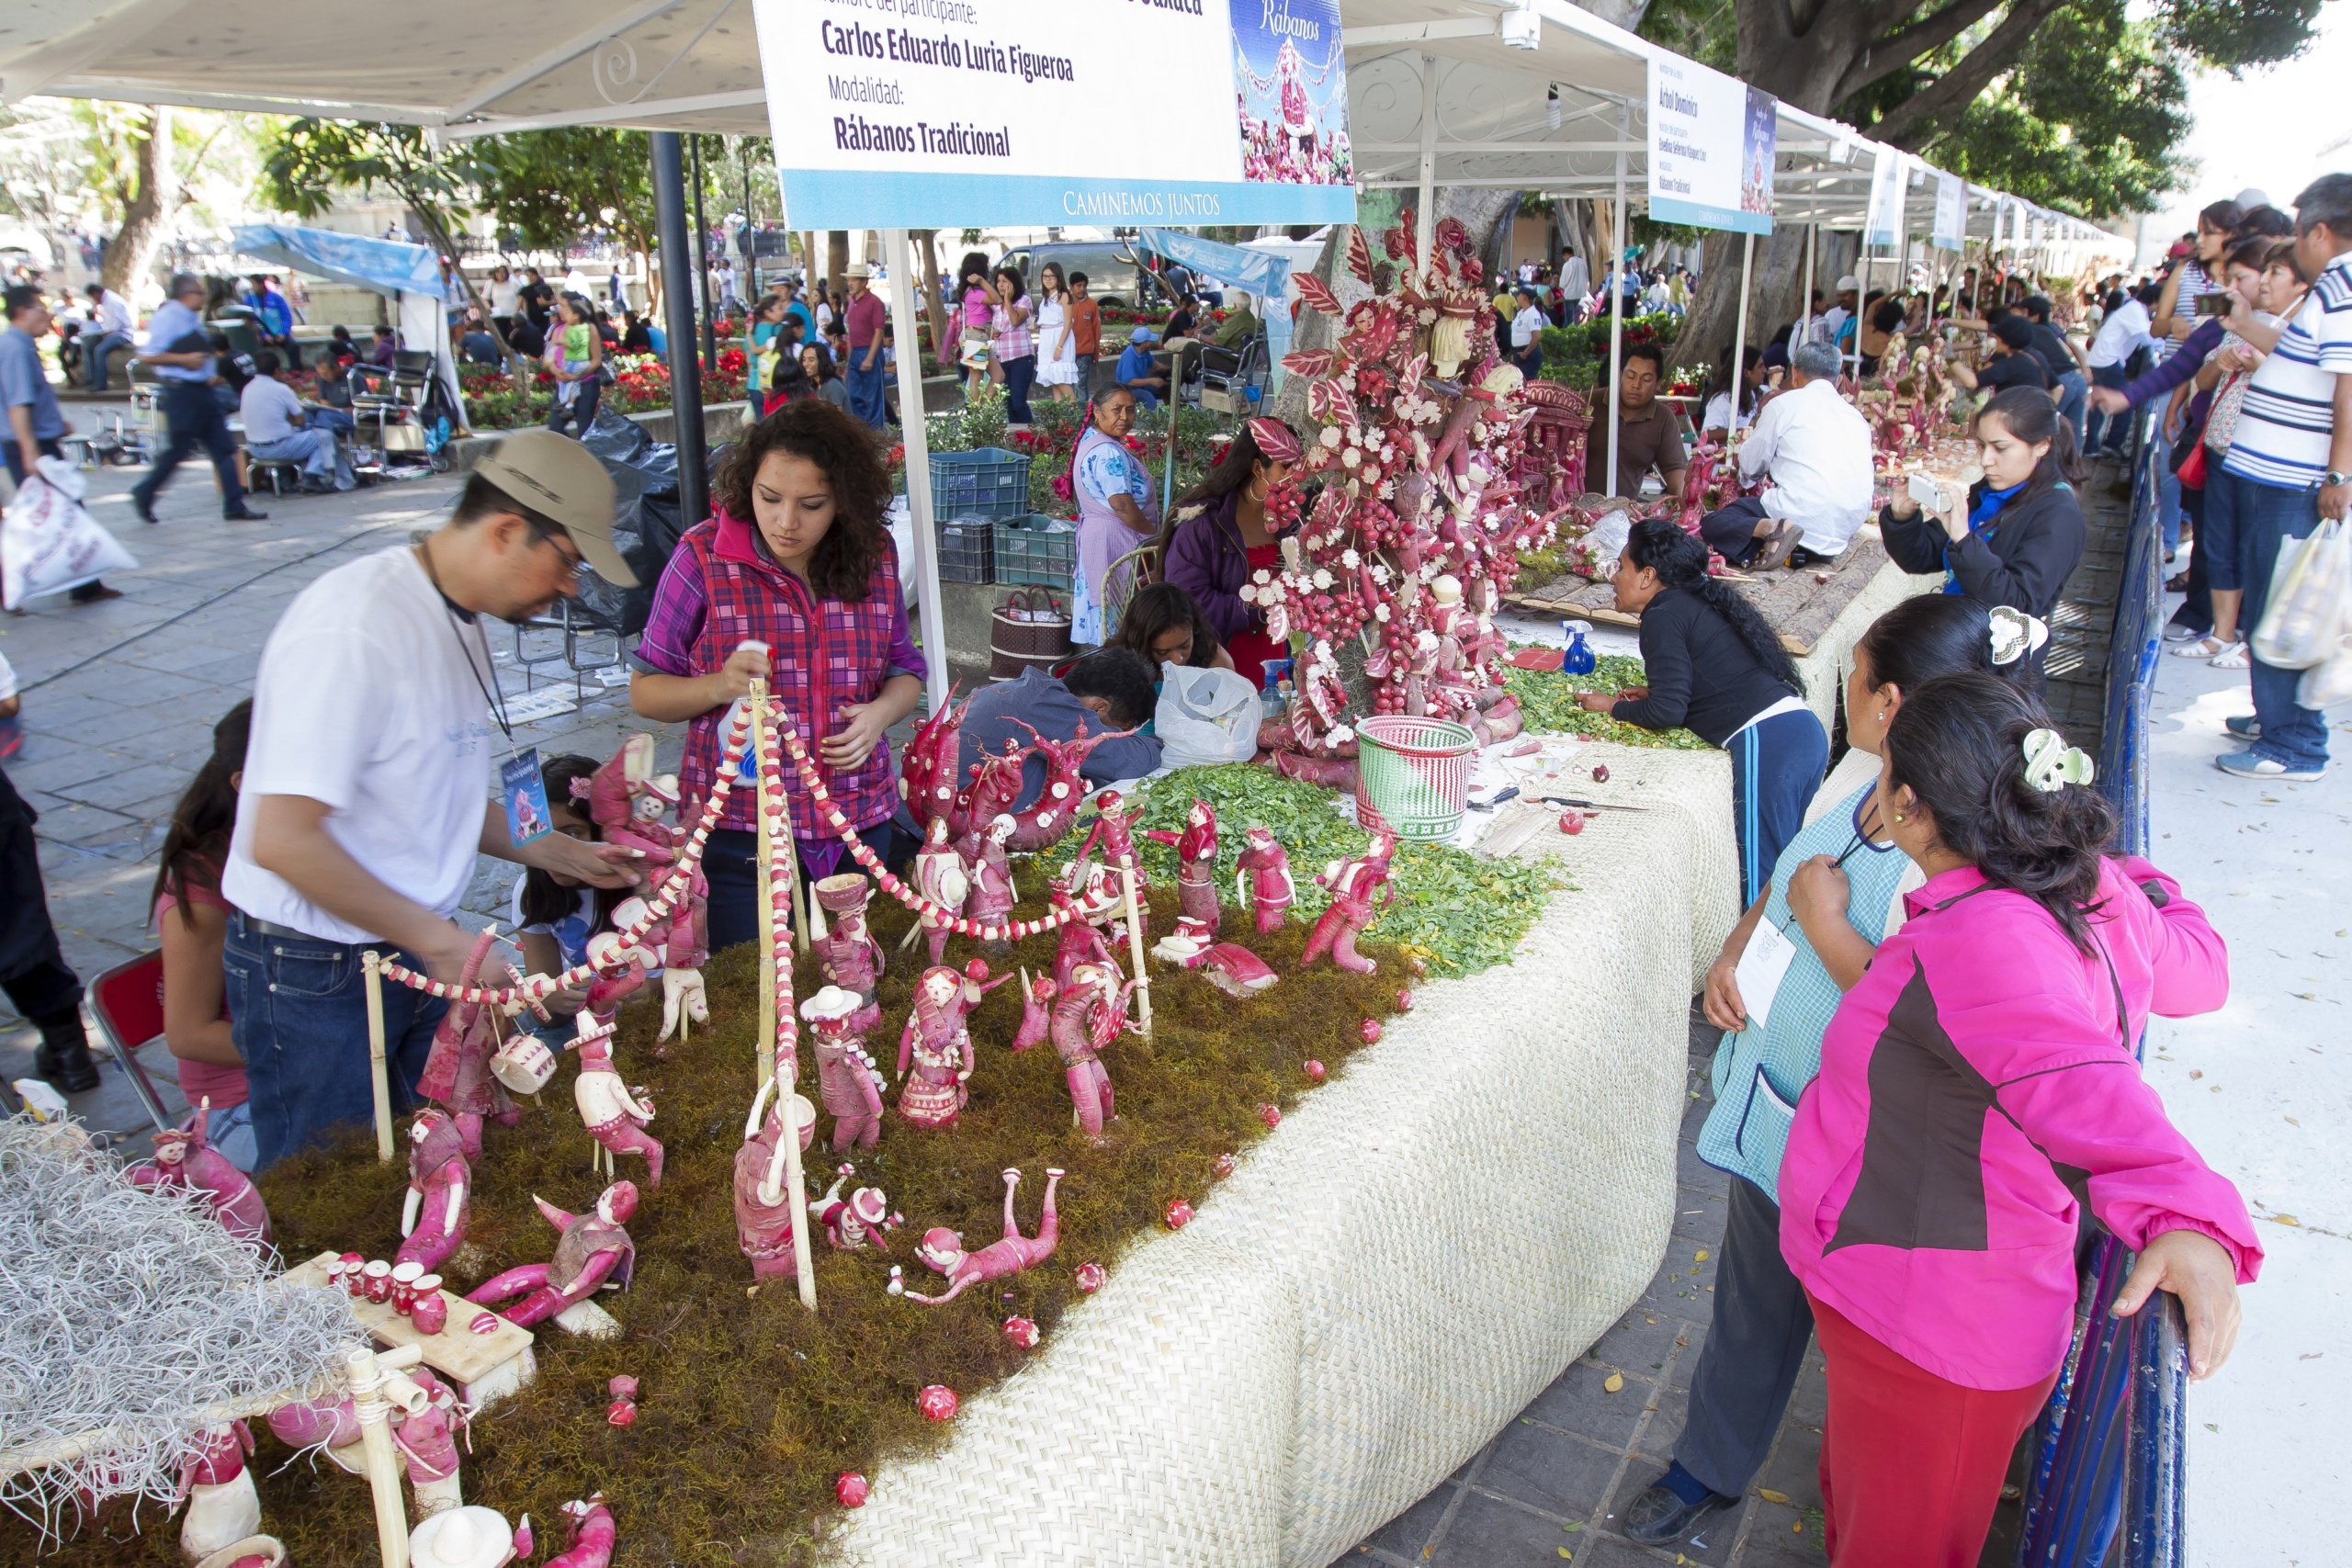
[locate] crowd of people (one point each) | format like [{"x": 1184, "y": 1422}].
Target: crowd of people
[{"x": 1915, "y": 1136}]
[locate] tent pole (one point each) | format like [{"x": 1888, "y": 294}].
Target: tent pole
[
  {"x": 678, "y": 316},
  {"x": 1739, "y": 334},
  {"x": 1617, "y": 303},
  {"x": 702, "y": 266},
  {"x": 1425, "y": 207},
  {"x": 1812, "y": 248},
  {"x": 914, "y": 431}
]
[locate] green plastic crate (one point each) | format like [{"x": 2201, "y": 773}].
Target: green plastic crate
[
  {"x": 1036, "y": 550},
  {"x": 991, "y": 482}
]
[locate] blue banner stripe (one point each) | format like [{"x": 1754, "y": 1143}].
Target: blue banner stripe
[
  {"x": 825, "y": 198},
  {"x": 1698, "y": 215}
]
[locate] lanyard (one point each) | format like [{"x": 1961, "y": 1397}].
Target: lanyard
[{"x": 494, "y": 699}]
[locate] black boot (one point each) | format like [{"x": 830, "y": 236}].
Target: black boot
[{"x": 64, "y": 1058}]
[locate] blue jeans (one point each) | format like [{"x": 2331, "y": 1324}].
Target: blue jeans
[
  {"x": 318, "y": 451},
  {"x": 2074, "y": 393},
  {"x": 2168, "y": 491},
  {"x": 1020, "y": 375},
  {"x": 867, "y": 399},
  {"x": 298, "y": 1013},
  {"x": 93, "y": 357},
  {"x": 582, "y": 410},
  {"x": 2220, "y": 531},
  {"x": 195, "y": 419},
  {"x": 2268, "y": 516},
  {"x": 2115, "y": 430},
  {"x": 332, "y": 419}
]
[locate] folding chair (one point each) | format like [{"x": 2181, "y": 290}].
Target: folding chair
[{"x": 129, "y": 1002}]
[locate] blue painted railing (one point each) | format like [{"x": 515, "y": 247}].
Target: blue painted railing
[{"x": 2114, "y": 1440}]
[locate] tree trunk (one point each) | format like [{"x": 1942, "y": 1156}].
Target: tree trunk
[
  {"x": 836, "y": 259},
  {"x": 149, "y": 208},
  {"x": 934, "y": 303}
]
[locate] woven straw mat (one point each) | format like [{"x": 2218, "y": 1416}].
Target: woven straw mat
[{"x": 1424, "y": 1244}]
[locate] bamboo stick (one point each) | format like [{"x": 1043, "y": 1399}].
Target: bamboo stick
[
  {"x": 766, "y": 857},
  {"x": 1135, "y": 942},
  {"x": 373, "y": 967}
]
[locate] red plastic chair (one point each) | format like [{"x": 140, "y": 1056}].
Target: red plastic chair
[{"x": 129, "y": 1002}]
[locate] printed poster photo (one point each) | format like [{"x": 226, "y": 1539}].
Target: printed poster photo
[
  {"x": 1291, "y": 87},
  {"x": 1758, "y": 146}
]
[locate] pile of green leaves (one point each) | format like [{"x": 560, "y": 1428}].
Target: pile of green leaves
[
  {"x": 1457, "y": 913},
  {"x": 1547, "y": 705}
]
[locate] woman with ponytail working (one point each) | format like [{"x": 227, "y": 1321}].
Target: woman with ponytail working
[
  {"x": 1979, "y": 1085},
  {"x": 1836, "y": 894},
  {"x": 1715, "y": 668},
  {"x": 2020, "y": 535}
]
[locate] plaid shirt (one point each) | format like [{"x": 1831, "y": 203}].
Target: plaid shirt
[
  {"x": 720, "y": 590},
  {"x": 1014, "y": 340}
]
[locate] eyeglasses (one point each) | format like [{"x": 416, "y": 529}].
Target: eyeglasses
[{"x": 557, "y": 541}]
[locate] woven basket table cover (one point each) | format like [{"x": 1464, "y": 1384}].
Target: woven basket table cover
[{"x": 1421, "y": 1248}]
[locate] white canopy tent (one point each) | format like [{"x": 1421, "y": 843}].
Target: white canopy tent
[{"x": 1533, "y": 95}]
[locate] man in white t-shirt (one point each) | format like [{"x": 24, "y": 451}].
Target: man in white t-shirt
[
  {"x": 369, "y": 781},
  {"x": 277, "y": 429},
  {"x": 1817, "y": 449}
]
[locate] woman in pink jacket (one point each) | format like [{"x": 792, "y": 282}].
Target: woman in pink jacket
[{"x": 1978, "y": 1086}]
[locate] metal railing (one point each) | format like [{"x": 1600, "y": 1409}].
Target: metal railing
[{"x": 2111, "y": 1453}]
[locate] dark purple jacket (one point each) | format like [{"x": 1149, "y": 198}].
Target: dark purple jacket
[{"x": 1207, "y": 559}]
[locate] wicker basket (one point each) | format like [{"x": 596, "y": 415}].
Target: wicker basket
[
  {"x": 1029, "y": 630},
  {"x": 1415, "y": 775}
]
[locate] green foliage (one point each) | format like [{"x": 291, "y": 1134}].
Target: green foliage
[
  {"x": 1458, "y": 913},
  {"x": 550, "y": 186},
  {"x": 2231, "y": 35},
  {"x": 1547, "y": 701},
  {"x": 1579, "y": 355},
  {"x": 1705, "y": 30},
  {"x": 2087, "y": 121},
  {"x": 307, "y": 161}
]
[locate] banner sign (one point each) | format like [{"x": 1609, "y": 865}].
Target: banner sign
[
  {"x": 1951, "y": 211},
  {"x": 1712, "y": 143},
  {"x": 1890, "y": 187},
  {"x": 927, "y": 114}
]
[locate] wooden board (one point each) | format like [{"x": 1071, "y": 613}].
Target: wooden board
[
  {"x": 1797, "y": 603},
  {"x": 493, "y": 1363}
]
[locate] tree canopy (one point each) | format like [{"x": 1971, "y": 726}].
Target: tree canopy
[{"x": 2070, "y": 103}]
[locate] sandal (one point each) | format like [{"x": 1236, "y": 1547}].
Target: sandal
[
  {"x": 2206, "y": 647},
  {"x": 2232, "y": 657},
  {"x": 2177, "y": 583}
]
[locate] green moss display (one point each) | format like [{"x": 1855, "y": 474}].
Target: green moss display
[
  {"x": 1457, "y": 913},
  {"x": 1547, "y": 701},
  {"x": 751, "y": 1406}
]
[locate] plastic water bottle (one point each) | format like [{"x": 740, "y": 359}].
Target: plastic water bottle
[
  {"x": 1579, "y": 658},
  {"x": 1271, "y": 701}
]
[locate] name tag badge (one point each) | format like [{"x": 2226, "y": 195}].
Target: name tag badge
[
  {"x": 1762, "y": 966},
  {"x": 525, "y": 793}
]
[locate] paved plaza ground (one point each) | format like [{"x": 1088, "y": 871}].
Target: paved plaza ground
[{"x": 120, "y": 697}]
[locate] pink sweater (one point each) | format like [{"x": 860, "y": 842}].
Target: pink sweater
[{"x": 1974, "y": 1086}]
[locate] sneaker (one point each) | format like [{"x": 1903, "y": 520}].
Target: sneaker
[
  {"x": 2250, "y": 764},
  {"x": 1659, "y": 1515},
  {"x": 2245, "y": 725},
  {"x": 2232, "y": 657}
]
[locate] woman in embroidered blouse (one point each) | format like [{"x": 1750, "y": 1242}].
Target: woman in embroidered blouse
[{"x": 795, "y": 557}]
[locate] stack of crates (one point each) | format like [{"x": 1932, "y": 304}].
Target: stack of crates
[
  {"x": 971, "y": 493},
  {"x": 1036, "y": 550}
]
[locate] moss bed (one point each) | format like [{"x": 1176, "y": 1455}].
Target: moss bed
[{"x": 751, "y": 1406}]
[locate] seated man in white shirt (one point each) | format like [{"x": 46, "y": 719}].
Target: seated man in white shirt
[
  {"x": 276, "y": 429},
  {"x": 1816, "y": 448}
]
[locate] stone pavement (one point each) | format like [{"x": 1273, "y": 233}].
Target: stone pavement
[
  {"x": 1555, "y": 1483},
  {"x": 119, "y": 703},
  {"x": 120, "y": 700}
]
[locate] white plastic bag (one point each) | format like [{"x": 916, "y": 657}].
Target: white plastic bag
[
  {"x": 49, "y": 541},
  {"x": 1206, "y": 716},
  {"x": 2328, "y": 683},
  {"x": 2308, "y": 596}
]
